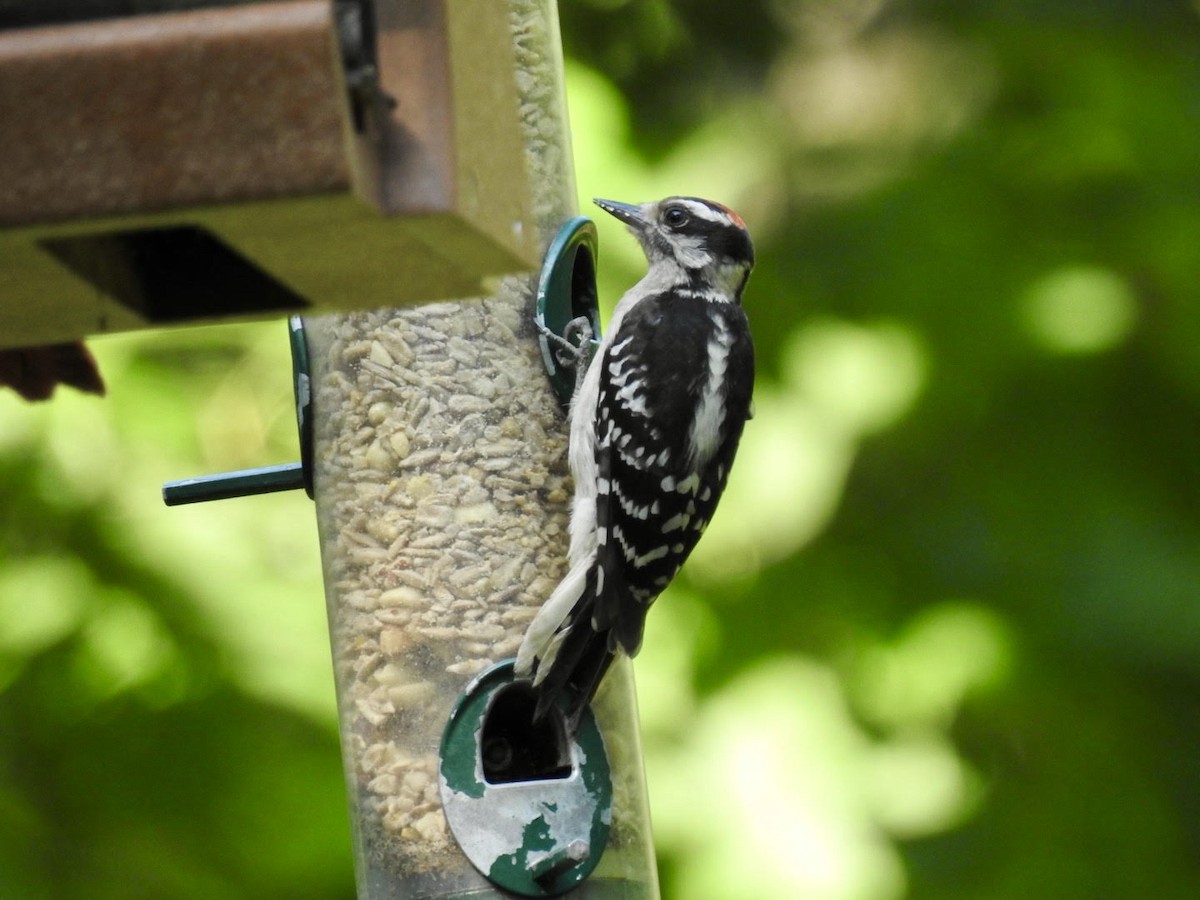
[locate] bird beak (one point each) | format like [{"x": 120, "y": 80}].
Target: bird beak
[{"x": 628, "y": 213}]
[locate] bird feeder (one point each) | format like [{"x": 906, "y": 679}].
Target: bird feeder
[
  {"x": 440, "y": 477},
  {"x": 434, "y": 444}
]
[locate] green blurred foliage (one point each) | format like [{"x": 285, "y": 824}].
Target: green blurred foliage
[
  {"x": 944, "y": 638},
  {"x": 167, "y": 724}
]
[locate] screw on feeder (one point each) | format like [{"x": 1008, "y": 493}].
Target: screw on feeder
[
  {"x": 553, "y": 866},
  {"x": 356, "y": 30},
  {"x": 266, "y": 479}
]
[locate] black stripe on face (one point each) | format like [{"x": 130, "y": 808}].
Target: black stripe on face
[
  {"x": 731, "y": 243},
  {"x": 723, "y": 240},
  {"x": 722, "y": 230}
]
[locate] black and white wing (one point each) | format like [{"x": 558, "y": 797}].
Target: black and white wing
[{"x": 666, "y": 438}]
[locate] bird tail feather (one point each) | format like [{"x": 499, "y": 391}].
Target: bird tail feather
[
  {"x": 561, "y": 651},
  {"x": 541, "y": 636},
  {"x": 579, "y": 659}
]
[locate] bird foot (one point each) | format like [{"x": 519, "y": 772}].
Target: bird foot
[{"x": 573, "y": 348}]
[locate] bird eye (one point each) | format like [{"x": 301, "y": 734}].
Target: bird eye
[{"x": 675, "y": 216}]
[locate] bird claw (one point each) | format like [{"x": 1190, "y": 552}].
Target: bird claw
[
  {"x": 574, "y": 345},
  {"x": 572, "y": 349}
]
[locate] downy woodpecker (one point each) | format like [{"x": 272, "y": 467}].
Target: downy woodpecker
[{"x": 655, "y": 423}]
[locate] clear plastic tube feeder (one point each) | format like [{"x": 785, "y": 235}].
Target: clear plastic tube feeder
[{"x": 442, "y": 495}]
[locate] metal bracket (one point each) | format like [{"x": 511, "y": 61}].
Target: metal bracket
[
  {"x": 265, "y": 479},
  {"x": 567, "y": 291}
]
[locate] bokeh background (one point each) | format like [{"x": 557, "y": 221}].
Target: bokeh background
[{"x": 943, "y": 639}]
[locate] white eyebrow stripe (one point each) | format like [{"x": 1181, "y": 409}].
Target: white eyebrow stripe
[{"x": 703, "y": 211}]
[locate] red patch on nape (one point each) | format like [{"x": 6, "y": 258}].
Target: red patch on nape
[{"x": 737, "y": 220}]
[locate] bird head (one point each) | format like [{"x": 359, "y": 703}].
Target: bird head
[{"x": 705, "y": 241}]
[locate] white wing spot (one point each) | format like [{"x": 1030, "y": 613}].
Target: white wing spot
[
  {"x": 630, "y": 459},
  {"x": 632, "y": 509},
  {"x": 628, "y": 551},
  {"x": 646, "y": 558},
  {"x": 631, "y": 399},
  {"x": 674, "y": 523}
]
